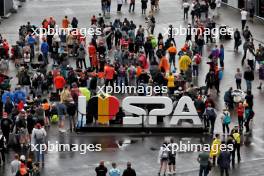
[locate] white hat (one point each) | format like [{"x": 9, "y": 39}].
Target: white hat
[{"x": 22, "y": 158}]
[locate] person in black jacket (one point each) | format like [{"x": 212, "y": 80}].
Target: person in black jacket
[
  {"x": 101, "y": 170},
  {"x": 249, "y": 99},
  {"x": 249, "y": 77},
  {"x": 74, "y": 22},
  {"x": 237, "y": 38},
  {"x": 71, "y": 110},
  {"x": 129, "y": 171},
  {"x": 200, "y": 108},
  {"x": 2, "y": 147},
  {"x": 223, "y": 161},
  {"x": 231, "y": 142},
  {"x": 149, "y": 51},
  {"x": 6, "y": 126},
  {"x": 228, "y": 98},
  {"x": 210, "y": 81},
  {"x": 8, "y": 106}
]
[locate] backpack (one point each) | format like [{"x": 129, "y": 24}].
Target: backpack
[
  {"x": 2, "y": 142},
  {"x": 251, "y": 114},
  {"x": 211, "y": 113},
  {"x": 25, "y": 80},
  {"x": 246, "y": 34},
  {"x": 39, "y": 78},
  {"x": 227, "y": 119},
  {"x": 31, "y": 40},
  {"x": 131, "y": 73},
  {"x": 164, "y": 154},
  {"x": 39, "y": 136},
  {"x": 40, "y": 58},
  {"x": 138, "y": 40},
  {"x": 198, "y": 59},
  {"x": 54, "y": 118}
]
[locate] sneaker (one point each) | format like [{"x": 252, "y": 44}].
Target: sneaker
[{"x": 259, "y": 87}]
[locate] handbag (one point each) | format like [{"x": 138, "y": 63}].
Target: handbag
[{"x": 239, "y": 42}]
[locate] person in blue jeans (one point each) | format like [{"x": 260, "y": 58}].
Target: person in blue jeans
[
  {"x": 249, "y": 77},
  {"x": 114, "y": 171}
]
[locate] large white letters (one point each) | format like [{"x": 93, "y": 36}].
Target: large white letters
[
  {"x": 129, "y": 105},
  {"x": 179, "y": 114}
]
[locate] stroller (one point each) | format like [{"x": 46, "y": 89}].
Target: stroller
[{"x": 239, "y": 96}]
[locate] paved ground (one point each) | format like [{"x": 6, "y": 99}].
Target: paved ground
[{"x": 142, "y": 151}]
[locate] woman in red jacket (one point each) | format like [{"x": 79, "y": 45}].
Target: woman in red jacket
[{"x": 240, "y": 115}]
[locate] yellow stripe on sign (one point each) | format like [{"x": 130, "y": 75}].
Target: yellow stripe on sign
[{"x": 103, "y": 105}]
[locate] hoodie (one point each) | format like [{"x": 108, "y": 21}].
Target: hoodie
[{"x": 114, "y": 172}]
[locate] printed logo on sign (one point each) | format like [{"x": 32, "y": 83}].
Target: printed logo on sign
[{"x": 105, "y": 107}]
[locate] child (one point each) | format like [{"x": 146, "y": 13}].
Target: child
[
  {"x": 35, "y": 171},
  {"x": 29, "y": 165},
  {"x": 238, "y": 77}
]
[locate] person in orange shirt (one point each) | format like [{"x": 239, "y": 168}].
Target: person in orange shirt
[
  {"x": 164, "y": 64},
  {"x": 109, "y": 73},
  {"x": 46, "y": 108},
  {"x": 59, "y": 82},
  {"x": 92, "y": 55},
  {"x": 65, "y": 22},
  {"x": 172, "y": 52},
  {"x": 138, "y": 71}
]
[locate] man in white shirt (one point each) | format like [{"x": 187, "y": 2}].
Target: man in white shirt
[
  {"x": 15, "y": 165},
  {"x": 186, "y": 7},
  {"x": 243, "y": 18}
]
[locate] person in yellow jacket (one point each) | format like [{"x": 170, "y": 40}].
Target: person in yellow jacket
[
  {"x": 237, "y": 140},
  {"x": 184, "y": 62},
  {"x": 170, "y": 84},
  {"x": 215, "y": 148}
]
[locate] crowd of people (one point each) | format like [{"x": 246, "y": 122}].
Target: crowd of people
[{"x": 124, "y": 54}]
